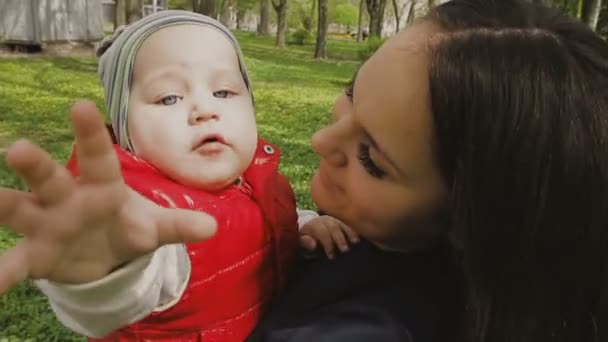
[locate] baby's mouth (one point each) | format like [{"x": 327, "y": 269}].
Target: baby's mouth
[{"x": 209, "y": 144}]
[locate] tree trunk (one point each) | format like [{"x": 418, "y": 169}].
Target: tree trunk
[
  {"x": 360, "y": 24},
  {"x": 375, "y": 8},
  {"x": 240, "y": 16},
  {"x": 264, "y": 25},
  {"x": 206, "y": 7},
  {"x": 310, "y": 19},
  {"x": 226, "y": 13},
  {"x": 120, "y": 13},
  {"x": 281, "y": 8},
  {"x": 591, "y": 12},
  {"x": 397, "y": 16},
  {"x": 411, "y": 12},
  {"x": 134, "y": 10},
  {"x": 320, "y": 48}
]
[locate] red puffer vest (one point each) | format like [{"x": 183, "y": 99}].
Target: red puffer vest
[{"x": 235, "y": 273}]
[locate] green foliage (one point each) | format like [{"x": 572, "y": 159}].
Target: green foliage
[
  {"x": 294, "y": 94},
  {"x": 180, "y": 4},
  {"x": 301, "y": 15},
  {"x": 346, "y": 14},
  {"x": 300, "y": 37},
  {"x": 371, "y": 46}
]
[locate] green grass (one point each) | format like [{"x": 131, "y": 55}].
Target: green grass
[{"x": 293, "y": 94}]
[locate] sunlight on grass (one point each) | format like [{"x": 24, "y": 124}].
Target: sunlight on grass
[{"x": 293, "y": 92}]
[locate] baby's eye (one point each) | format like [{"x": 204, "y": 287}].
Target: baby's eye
[
  {"x": 169, "y": 100},
  {"x": 222, "y": 94}
]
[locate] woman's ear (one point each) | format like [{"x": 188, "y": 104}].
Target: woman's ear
[{"x": 111, "y": 131}]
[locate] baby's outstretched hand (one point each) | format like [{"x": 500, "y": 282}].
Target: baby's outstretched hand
[
  {"x": 78, "y": 230},
  {"x": 329, "y": 232}
]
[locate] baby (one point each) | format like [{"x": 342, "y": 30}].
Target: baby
[
  {"x": 183, "y": 123},
  {"x": 182, "y": 115}
]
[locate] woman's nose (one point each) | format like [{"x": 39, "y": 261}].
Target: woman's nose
[{"x": 328, "y": 143}]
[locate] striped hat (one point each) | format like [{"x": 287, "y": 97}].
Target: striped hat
[{"x": 117, "y": 56}]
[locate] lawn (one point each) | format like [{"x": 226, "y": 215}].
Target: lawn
[{"x": 293, "y": 94}]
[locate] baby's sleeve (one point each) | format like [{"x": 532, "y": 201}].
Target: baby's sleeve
[
  {"x": 154, "y": 282},
  {"x": 305, "y": 215}
]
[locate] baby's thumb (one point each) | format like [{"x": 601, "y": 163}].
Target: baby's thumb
[
  {"x": 308, "y": 242},
  {"x": 181, "y": 226}
]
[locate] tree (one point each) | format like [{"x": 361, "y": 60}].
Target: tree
[
  {"x": 399, "y": 10},
  {"x": 226, "y": 12},
  {"x": 323, "y": 23},
  {"x": 264, "y": 24},
  {"x": 120, "y": 13},
  {"x": 242, "y": 6},
  {"x": 591, "y": 12},
  {"x": 206, "y": 7},
  {"x": 375, "y": 8},
  {"x": 360, "y": 21},
  {"x": 411, "y": 12},
  {"x": 345, "y": 14},
  {"x": 280, "y": 6},
  {"x": 134, "y": 10}
]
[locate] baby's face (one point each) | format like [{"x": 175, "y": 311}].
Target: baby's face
[{"x": 190, "y": 113}]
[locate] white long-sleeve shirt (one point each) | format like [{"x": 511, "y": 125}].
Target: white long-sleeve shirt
[{"x": 153, "y": 282}]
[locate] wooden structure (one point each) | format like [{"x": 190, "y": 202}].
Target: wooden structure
[{"x": 38, "y": 22}]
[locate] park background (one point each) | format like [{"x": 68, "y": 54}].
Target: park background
[{"x": 300, "y": 54}]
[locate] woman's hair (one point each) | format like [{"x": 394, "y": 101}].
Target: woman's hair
[{"x": 519, "y": 95}]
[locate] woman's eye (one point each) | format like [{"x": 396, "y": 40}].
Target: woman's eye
[
  {"x": 222, "y": 94},
  {"x": 349, "y": 91},
  {"x": 368, "y": 163},
  {"x": 170, "y": 100}
]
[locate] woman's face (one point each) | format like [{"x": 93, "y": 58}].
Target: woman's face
[{"x": 377, "y": 172}]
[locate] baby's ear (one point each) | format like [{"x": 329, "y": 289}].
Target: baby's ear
[{"x": 111, "y": 131}]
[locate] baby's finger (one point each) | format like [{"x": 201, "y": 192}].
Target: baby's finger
[
  {"x": 338, "y": 236},
  {"x": 48, "y": 180},
  {"x": 97, "y": 161},
  {"x": 181, "y": 226},
  {"x": 353, "y": 237},
  {"x": 17, "y": 211},
  {"x": 308, "y": 242},
  {"x": 324, "y": 237},
  {"x": 13, "y": 266}
]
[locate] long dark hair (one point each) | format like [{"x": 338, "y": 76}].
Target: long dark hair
[{"x": 519, "y": 94}]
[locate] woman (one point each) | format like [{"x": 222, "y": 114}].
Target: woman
[
  {"x": 484, "y": 125},
  {"x": 486, "y": 121}
]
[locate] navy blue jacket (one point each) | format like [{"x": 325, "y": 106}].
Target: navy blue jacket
[{"x": 368, "y": 294}]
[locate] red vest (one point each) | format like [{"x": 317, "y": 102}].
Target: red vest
[{"x": 235, "y": 273}]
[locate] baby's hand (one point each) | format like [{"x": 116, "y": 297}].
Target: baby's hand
[
  {"x": 78, "y": 230},
  {"x": 329, "y": 232}
]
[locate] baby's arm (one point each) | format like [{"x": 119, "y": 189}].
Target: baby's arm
[
  {"x": 77, "y": 231},
  {"x": 153, "y": 282}
]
